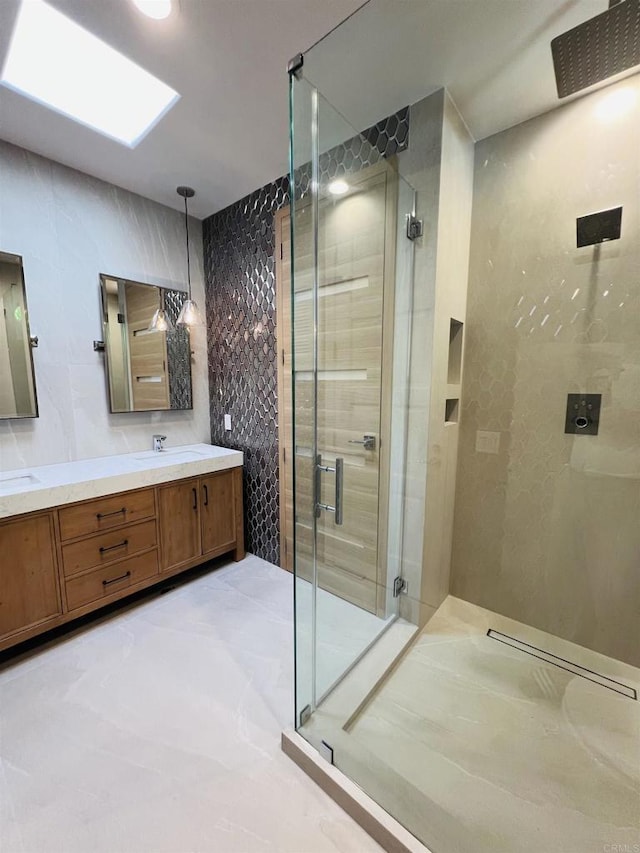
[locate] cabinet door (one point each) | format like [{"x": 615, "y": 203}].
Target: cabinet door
[
  {"x": 179, "y": 523},
  {"x": 28, "y": 574},
  {"x": 218, "y": 512}
]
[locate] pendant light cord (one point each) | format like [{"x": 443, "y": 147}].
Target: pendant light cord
[{"x": 186, "y": 227}]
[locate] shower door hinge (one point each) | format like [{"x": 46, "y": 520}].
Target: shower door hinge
[
  {"x": 326, "y": 751},
  {"x": 295, "y": 64},
  {"x": 415, "y": 227},
  {"x": 305, "y": 714},
  {"x": 400, "y": 586}
]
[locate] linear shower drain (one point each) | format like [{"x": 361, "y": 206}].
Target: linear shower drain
[{"x": 562, "y": 663}]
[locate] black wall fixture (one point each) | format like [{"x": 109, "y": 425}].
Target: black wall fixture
[
  {"x": 583, "y": 414},
  {"x": 599, "y": 227}
]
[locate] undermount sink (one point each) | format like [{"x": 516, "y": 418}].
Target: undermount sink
[
  {"x": 178, "y": 453},
  {"x": 17, "y": 481},
  {"x": 35, "y": 488}
]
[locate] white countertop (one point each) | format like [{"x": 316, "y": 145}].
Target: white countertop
[{"x": 30, "y": 489}]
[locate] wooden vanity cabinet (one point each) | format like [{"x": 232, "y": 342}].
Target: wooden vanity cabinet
[
  {"x": 179, "y": 523},
  {"x": 217, "y": 512},
  {"x": 69, "y": 561},
  {"x": 29, "y": 586},
  {"x": 201, "y": 518}
]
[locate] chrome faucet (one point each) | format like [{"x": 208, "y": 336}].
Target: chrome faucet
[{"x": 158, "y": 443}]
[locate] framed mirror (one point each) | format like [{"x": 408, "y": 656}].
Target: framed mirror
[
  {"x": 17, "y": 377},
  {"x": 146, "y": 371}
]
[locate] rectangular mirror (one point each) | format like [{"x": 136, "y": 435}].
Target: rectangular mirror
[
  {"x": 17, "y": 378},
  {"x": 146, "y": 371}
]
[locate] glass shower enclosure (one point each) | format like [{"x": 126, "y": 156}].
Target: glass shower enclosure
[
  {"x": 352, "y": 309},
  {"x": 462, "y": 428}
]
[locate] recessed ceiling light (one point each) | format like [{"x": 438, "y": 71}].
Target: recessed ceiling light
[
  {"x": 157, "y": 9},
  {"x": 55, "y": 62},
  {"x": 338, "y": 187}
]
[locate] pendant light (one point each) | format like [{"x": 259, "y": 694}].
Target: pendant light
[
  {"x": 189, "y": 313},
  {"x": 161, "y": 322}
]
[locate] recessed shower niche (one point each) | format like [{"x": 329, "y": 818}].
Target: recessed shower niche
[
  {"x": 451, "y": 410},
  {"x": 455, "y": 352}
]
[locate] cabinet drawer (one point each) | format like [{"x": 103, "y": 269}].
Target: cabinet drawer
[
  {"x": 104, "y": 582},
  {"x": 95, "y": 516},
  {"x": 104, "y": 548}
]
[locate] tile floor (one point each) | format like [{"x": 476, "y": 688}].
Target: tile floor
[
  {"x": 158, "y": 729},
  {"x": 344, "y": 632}
]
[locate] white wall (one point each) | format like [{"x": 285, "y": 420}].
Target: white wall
[{"x": 68, "y": 228}]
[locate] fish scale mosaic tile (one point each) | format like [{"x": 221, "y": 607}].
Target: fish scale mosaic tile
[{"x": 239, "y": 263}]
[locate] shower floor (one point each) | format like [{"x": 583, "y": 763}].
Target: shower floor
[{"x": 478, "y": 746}]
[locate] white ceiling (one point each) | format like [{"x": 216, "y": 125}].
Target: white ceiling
[
  {"x": 493, "y": 56},
  {"x": 228, "y": 133}
]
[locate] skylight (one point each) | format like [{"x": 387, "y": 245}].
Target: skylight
[{"x": 54, "y": 61}]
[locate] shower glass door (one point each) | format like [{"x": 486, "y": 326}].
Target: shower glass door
[{"x": 350, "y": 313}]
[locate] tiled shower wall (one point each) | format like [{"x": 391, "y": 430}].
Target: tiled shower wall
[
  {"x": 239, "y": 262},
  {"x": 546, "y": 527}
]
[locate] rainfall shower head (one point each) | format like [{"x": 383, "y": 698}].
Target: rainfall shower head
[{"x": 597, "y": 49}]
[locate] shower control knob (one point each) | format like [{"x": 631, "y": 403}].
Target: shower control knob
[{"x": 582, "y": 415}]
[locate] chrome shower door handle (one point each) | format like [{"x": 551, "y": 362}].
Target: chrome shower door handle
[
  {"x": 338, "y": 470},
  {"x": 317, "y": 485},
  {"x": 368, "y": 442},
  {"x": 339, "y": 490}
]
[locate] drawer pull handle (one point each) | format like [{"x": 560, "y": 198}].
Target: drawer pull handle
[
  {"x": 206, "y": 496},
  {"x": 115, "y": 580},
  {"x": 101, "y": 515},
  {"x": 195, "y": 498},
  {"x": 122, "y": 544}
]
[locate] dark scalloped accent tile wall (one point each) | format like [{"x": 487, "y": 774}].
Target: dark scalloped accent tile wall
[{"x": 239, "y": 264}]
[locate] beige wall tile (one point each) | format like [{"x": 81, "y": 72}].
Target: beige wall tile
[{"x": 547, "y": 529}]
